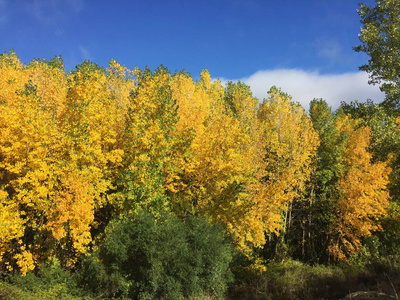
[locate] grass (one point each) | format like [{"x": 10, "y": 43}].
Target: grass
[
  {"x": 10, "y": 291},
  {"x": 294, "y": 280},
  {"x": 285, "y": 281}
]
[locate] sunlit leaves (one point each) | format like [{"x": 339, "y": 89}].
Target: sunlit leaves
[
  {"x": 380, "y": 37},
  {"x": 78, "y": 149},
  {"x": 363, "y": 195},
  {"x": 214, "y": 174},
  {"x": 290, "y": 143}
]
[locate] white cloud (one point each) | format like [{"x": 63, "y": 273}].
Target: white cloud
[{"x": 304, "y": 86}]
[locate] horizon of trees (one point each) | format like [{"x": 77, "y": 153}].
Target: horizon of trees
[{"x": 80, "y": 149}]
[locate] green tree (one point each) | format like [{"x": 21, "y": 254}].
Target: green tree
[
  {"x": 314, "y": 215},
  {"x": 380, "y": 40},
  {"x": 347, "y": 195}
]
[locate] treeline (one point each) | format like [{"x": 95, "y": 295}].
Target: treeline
[{"x": 86, "y": 151}]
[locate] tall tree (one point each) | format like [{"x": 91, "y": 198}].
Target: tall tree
[
  {"x": 380, "y": 40},
  {"x": 148, "y": 144},
  {"x": 290, "y": 143},
  {"x": 385, "y": 147},
  {"x": 315, "y": 210},
  {"x": 385, "y": 138},
  {"x": 214, "y": 173},
  {"x": 364, "y": 197},
  {"x": 30, "y": 144}
]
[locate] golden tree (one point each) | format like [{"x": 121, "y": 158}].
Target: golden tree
[
  {"x": 364, "y": 197},
  {"x": 291, "y": 144}
]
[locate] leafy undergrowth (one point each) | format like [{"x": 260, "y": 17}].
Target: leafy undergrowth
[
  {"x": 294, "y": 280},
  {"x": 10, "y": 291},
  {"x": 285, "y": 281},
  {"x": 49, "y": 282}
]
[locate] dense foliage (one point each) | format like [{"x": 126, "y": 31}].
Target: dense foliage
[
  {"x": 158, "y": 186},
  {"x": 380, "y": 40},
  {"x": 170, "y": 259}
]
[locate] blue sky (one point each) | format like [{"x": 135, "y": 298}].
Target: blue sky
[{"x": 304, "y": 47}]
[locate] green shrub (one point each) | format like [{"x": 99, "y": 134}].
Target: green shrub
[
  {"x": 49, "y": 282},
  {"x": 170, "y": 259}
]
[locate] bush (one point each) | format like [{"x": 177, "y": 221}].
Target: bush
[
  {"x": 170, "y": 259},
  {"x": 49, "y": 282}
]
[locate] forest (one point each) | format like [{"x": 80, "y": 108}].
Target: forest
[{"x": 140, "y": 184}]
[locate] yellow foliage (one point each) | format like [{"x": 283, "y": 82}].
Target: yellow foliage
[
  {"x": 364, "y": 197},
  {"x": 25, "y": 262},
  {"x": 73, "y": 211},
  {"x": 223, "y": 175},
  {"x": 11, "y": 223},
  {"x": 73, "y": 145},
  {"x": 290, "y": 143},
  {"x": 60, "y": 149},
  {"x": 214, "y": 172}
]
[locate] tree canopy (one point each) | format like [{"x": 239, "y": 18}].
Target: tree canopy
[{"x": 380, "y": 40}]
